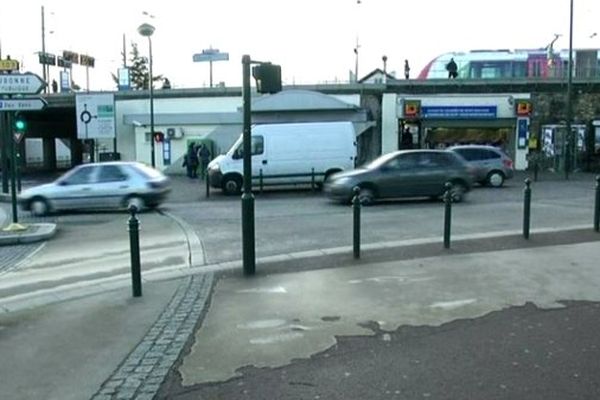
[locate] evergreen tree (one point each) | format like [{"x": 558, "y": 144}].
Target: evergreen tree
[{"x": 139, "y": 72}]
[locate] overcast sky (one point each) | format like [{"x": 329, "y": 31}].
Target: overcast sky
[{"x": 312, "y": 40}]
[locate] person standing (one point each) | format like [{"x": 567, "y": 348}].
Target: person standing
[
  {"x": 452, "y": 69},
  {"x": 204, "y": 156},
  {"x": 191, "y": 161},
  {"x": 406, "y": 69}
]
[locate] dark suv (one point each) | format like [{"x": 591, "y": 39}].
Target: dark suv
[
  {"x": 407, "y": 173},
  {"x": 491, "y": 165}
]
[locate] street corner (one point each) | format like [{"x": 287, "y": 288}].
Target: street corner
[{"x": 15, "y": 233}]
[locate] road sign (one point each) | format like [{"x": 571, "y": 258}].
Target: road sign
[
  {"x": 33, "y": 104},
  {"x": 18, "y": 136},
  {"x": 211, "y": 55},
  {"x": 9, "y": 65},
  {"x": 95, "y": 116},
  {"x": 27, "y": 83}
]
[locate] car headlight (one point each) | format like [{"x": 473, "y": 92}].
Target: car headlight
[
  {"x": 342, "y": 181},
  {"x": 214, "y": 167}
]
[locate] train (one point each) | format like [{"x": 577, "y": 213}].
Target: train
[{"x": 511, "y": 64}]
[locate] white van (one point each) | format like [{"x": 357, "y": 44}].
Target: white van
[{"x": 309, "y": 151}]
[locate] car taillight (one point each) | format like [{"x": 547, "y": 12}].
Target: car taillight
[{"x": 507, "y": 163}]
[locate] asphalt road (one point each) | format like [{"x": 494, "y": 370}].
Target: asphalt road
[
  {"x": 300, "y": 220},
  {"x": 517, "y": 353}
]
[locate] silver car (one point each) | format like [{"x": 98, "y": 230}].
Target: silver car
[
  {"x": 491, "y": 165},
  {"x": 107, "y": 185}
]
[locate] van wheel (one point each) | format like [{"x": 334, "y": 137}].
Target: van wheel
[{"x": 232, "y": 185}]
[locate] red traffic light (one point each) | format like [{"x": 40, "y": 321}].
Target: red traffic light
[{"x": 159, "y": 137}]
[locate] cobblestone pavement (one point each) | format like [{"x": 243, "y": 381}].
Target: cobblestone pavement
[
  {"x": 12, "y": 255},
  {"x": 143, "y": 371}
]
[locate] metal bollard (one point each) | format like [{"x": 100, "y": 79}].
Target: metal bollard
[
  {"x": 597, "y": 206},
  {"x": 207, "y": 186},
  {"x": 356, "y": 224},
  {"x": 527, "y": 208},
  {"x": 447, "y": 214},
  {"x": 134, "y": 244}
]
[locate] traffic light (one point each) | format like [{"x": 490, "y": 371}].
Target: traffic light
[
  {"x": 159, "y": 137},
  {"x": 20, "y": 123},
  {"x": 268, "y": 77}
]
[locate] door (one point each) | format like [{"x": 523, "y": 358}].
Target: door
[
  {"x": 111, "y": 187},
  {"x": 398, "y": 177},
  {"x": 74, "y": 190}
]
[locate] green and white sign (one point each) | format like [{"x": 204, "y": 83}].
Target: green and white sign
[{"x": 95, "y": 116}]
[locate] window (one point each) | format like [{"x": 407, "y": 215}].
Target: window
[
  {"x": 111, "y": 173},
  {"x": 80, "y": 176},
  {"x": 257, "y": 145}
]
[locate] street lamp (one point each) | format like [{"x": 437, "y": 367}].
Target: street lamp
[{"x": 147, "y": 30}]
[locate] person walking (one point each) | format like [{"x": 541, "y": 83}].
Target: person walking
[
  {"x": 452, "y": 69},
  {"x": 406, "y": 69},
  {"x": 204, "y": 156}
]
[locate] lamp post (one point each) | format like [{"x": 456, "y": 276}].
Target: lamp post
[
  {"x": 570, "y": 143},
  {"x": 147, "y": 30}
]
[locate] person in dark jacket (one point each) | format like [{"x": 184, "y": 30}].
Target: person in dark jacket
[
  {"x": 452, "y": 69},
  {"x": 190, "y": 161},
  {"x": 204, "y": 156}
]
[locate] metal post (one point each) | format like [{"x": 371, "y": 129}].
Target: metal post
[
  {"x": 44, "y": 51},
  {"x": 570, "y": 143},
  {"x": 207, "y": 186},
  {"x": 134, "y": 245},
  {"x": 312, "y": 179},
  {"x": 13, "y": 172},
  {"x": 248, "y": 244},
  {"x": 447, "y": 214},
  {"x": 527, "y": 208},
  {"x": 260, "y": 180},
  {"x": 152, "y": 156},
  {"x": 356, "y": 224},
  {"x": 597, "y": 206},
  {"x": 5, "y": 134},
  {"x": 18, "y": 171}
]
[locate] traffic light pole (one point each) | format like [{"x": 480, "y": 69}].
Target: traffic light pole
[
  {"x": 5, "y": 137},
  {"x": 13, "y": 173},
  {"x": 248, "y": 242}
]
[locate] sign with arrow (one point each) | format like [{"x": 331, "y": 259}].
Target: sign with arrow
[
  {"x": 18, "y": 136},
  {"x": 26, "y": 83},
  {"x": 33, "y": 104}
]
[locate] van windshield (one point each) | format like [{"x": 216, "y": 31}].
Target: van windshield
[{"x": 234, "y": 147}]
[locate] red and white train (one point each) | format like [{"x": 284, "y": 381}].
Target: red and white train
[{"x": 522, "y": 63}]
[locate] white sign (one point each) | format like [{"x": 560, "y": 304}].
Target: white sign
[
  {"x": 21, "y": 84},
  {"x": 22, "y": 104},
  {"x": 95, "y": 116}
]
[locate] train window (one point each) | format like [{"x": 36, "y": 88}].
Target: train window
[{"x": 519, "y": 69}]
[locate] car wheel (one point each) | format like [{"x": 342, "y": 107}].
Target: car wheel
[
  {"x": 39, "y": 207},
  {"x": 135, "y": 201},
  {"x": 457, "y": 192},
  {"x": 232, "y": 185},
  {"x": 495, "y": 179},
  {"x": 366, "y": 196}
]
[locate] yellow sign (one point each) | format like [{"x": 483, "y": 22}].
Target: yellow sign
[{"x": 9, "y": 65}]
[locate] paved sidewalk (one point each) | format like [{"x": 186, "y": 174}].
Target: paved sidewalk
[{"x": 178, "y": 341}]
